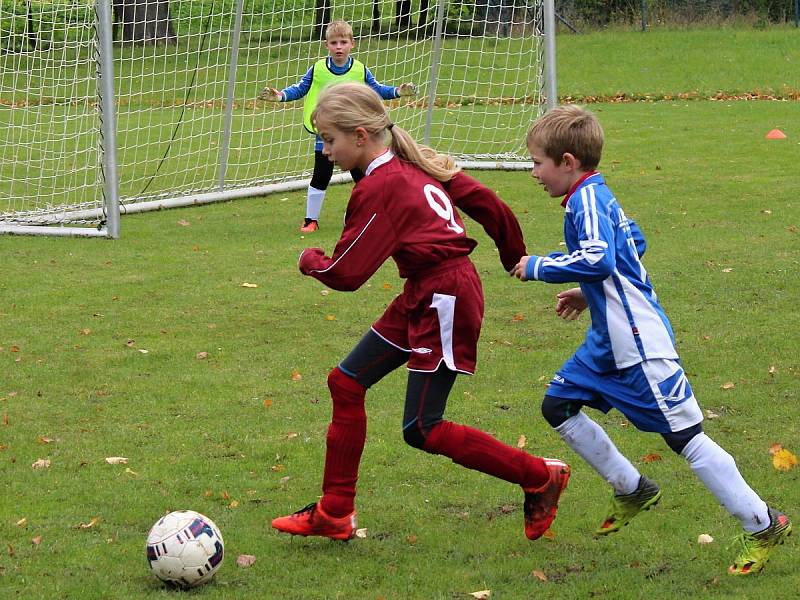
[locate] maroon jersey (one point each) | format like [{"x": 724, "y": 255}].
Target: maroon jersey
[{"x": 399, "y": 211}]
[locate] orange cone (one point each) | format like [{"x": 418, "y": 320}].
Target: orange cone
[{"x": 776, "y": 134}]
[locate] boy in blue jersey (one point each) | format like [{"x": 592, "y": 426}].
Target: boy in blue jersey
[
  {"x": 628, "y": 360},
  {"x": 337, "y": 67}
]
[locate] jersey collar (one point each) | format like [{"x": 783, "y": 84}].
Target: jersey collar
[
  {"x": 381, "y": 160},
  {"x": 578, "y": 184}
]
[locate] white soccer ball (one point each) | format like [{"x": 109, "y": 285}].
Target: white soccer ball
[{"x": 184, "y": 549}]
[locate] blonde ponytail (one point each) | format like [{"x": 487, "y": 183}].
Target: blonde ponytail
[{"x": 351, "y": 105}]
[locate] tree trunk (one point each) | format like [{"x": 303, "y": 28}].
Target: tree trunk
[
  {"x": 402, "y": 13},
  {"x": 376, "y": 17},
  {"x": 426, "y": 22},
  {"x": 144, "y": 21},
  {"x": 322, "y": 16}
]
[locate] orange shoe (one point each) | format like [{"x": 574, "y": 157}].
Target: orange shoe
[
  {"x": 312, "y": 520},
  {"x": 541, "y": 504},
  {"x": 310, "y": 226}
]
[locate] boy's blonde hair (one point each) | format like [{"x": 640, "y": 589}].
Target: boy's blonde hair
[
  {"x": 568, "y": 128},
  {"x": 339, "y": 28},
  {"x": 350, "y": 105}
]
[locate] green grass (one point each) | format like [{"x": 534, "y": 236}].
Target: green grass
[
  {"x": 703, "y": 62},
  {"x": 717, "y": 203}
]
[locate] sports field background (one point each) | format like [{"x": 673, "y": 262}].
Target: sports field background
[{"x": 152, "y": 348}]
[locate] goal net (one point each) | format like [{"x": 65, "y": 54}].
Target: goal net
[{"x": 182, "y": 124}]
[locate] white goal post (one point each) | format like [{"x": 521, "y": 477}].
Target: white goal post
[{"x": 102, "y": 116}]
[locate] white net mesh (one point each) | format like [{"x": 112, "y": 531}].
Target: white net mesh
[
  {"x": 48, "y": 116},
  {"x": 478, "y": 87}
]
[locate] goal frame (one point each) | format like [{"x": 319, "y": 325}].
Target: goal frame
[{"x": 108, "y": 214}]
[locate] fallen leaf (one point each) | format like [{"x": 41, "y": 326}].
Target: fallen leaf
[
  {"x": 116, "y": 460},
  {"x": 775, "y": 448},
  {"x": 291, "y": 435},
  {"x": 43, "y": 439},
  {"x": 783, "y": 460},
  {"x": 23, "y": 522},
  {"x": 411, "y": 539},
  {"x": 143, "y": 351},
  {"x": 772, "y": 370},
  {"x": 86, "y": 331},
  {"x": 36, "y": 540},
  {"x": 482, "y": 595},
  {"x": 267, "y": 402},
  {"x": 130, "y": 343},
  {"x": 361, "y": 533},
  {"x": 233, "y": 504},
  {"x": 14, "y": 348},
  {"x": 728, "y": 386},
  {"x": 522, "y": 441},
  {"x": 130, "y": 471},
  {"x": 330, "y": 318},
  {"x": 652, "y": 457},
  {"x": 325, "y": 292},
  {"x": 549, "y": 534},
  {"x": 208, "y": 494},
  {"x": 387, "y": 286},
  {"x": 245, "y": 560},
  {"x": 728, "y": 270},
  {"x": 296, "y": 375},
  {"x": 710, "y": 414},
  {"x": 704, "y": 538},
  {"x": 277, "y": 468},
  {"x": 539, "y": 575},
  {"x": 249, "y": 285},
  {"x": 184, "y": 223},
  {"x": 41, "y": 463},
  {"x": 518, "y": 317},
  {"x": 90, "y": 524},
  {"x": 201, "y": 355}
]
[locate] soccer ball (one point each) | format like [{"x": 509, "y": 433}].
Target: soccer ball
[{"x": 184, "y": 549}]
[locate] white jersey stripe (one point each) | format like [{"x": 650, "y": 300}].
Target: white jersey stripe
[
  {"x": 445, "y": 306},
  {"x": 349, "y": 248}
]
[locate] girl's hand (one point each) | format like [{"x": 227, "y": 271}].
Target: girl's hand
[
  {"x": 519, "y": 269},
  {"x": 570, "y": 304}
]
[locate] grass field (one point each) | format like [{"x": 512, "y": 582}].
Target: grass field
[{"x": 101, "y": 342}]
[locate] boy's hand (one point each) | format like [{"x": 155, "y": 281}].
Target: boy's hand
[
  {"x": 407, "y": 89},
  {"x": 270, "y": 94},
  {"x": 570, "y": 304},
  {"x": 519, "y": 269}
]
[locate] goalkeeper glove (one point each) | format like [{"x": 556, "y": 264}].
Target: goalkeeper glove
[
  {"x": 407, "y": 89},
  {"x": 270, "y": 95}
]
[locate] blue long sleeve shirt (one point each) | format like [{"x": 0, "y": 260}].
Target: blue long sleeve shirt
[
  {"x": 604, "y": 250},
  {"x": 301, "y": 88}
]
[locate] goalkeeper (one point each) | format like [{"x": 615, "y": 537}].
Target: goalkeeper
[{"x": 338, "y": 66}]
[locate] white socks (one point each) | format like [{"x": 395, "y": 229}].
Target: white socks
[
  {"x": 712, "y": 465},
  {"x": 314, "y": 203},
  {"x": 589, "y": 440},
  {"x": 717, "y": 470}
]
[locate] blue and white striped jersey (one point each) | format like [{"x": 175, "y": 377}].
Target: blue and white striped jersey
[{"x": 603, "y": 255}]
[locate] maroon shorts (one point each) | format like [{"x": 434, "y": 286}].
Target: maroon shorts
[{"x": 437, "y": 318}]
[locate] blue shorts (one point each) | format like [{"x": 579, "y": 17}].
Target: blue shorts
[{"x": 654, "y": 395}]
